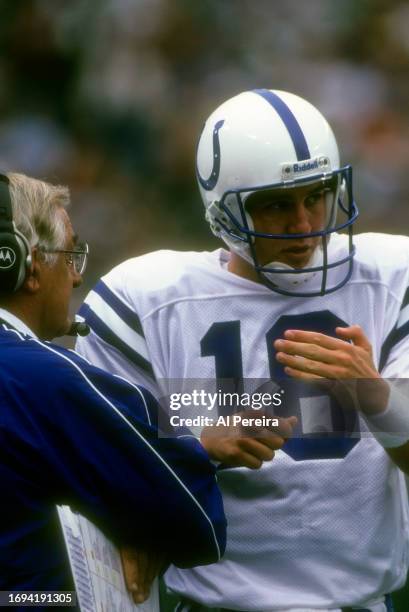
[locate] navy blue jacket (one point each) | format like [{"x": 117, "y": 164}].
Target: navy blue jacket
[{"x": 71, "y": 433}]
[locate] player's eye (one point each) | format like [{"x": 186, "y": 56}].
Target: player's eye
[
  {"x": 276, "y": 205},
  {"x": 316, "y": 196}
]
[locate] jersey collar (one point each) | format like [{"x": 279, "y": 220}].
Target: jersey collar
[{"x": 15, "y": 322}]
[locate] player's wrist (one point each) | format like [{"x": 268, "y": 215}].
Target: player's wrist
[
  {"x": 391, "y": 426},
  {"x": 373, "y": 395}
]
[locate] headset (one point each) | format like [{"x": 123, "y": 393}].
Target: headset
[{"x": 15, "y": 252}]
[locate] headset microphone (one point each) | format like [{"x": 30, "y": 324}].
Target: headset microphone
[{"x": 78, "y": 328}]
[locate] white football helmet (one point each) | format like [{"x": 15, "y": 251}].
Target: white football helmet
[{"x": 263, "y": 139}]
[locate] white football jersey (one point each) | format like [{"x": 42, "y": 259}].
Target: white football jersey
[{"x": 325, "y": 524}]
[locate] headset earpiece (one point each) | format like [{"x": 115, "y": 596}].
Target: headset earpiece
[{"x": 15, "y": 255}]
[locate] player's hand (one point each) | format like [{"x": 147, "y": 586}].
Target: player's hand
[
  {"x": 315, "y": 357},
  {"x": 239, "y": 446},
  {"x": 140, "y": 570}
]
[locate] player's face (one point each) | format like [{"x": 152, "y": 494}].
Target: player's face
[
  {"x": 58, "y": 282},
  {"x": 299, "y": 210}
]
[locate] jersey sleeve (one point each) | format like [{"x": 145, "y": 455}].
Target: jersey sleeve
[
  {"x": 96, "y": 443},
  {"x": 394, "y": 359},
  {"x": 117, "y": 340}
]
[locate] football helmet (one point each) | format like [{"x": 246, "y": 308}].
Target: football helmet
[{"x": 265, "y": 139}]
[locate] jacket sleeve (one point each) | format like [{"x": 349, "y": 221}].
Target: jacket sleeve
[{"x": 95, "y": 445}]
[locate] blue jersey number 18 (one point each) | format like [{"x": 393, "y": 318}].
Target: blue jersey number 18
[{"x": 325, "y": 430}]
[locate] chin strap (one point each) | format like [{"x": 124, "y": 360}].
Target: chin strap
[{"x": 290, "y": 280}]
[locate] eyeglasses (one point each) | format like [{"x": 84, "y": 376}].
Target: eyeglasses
[{"x": 76, "y": 258}]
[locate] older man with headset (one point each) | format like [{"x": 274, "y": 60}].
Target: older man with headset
[{"x": 73, "y": 434}]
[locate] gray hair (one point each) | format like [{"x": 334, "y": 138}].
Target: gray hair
[{"x": 35, "y": 207}]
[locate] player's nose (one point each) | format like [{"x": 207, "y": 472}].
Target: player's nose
[{"x": 299, "y": 222}]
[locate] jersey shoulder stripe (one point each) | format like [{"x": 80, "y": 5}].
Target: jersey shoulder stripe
[
  {"x": 398, "y": 333},
  {"x": 128, "y": 315},
  {"x": 109, "y": 315},
  {"x": 405, "y": 299},
  {"x": 107, "y": 334}
]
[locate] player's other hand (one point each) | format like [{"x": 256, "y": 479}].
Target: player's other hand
[
  {"x": 246, "y": 446},
  {"x": 347, "y": 361},
  {"x": 140, "y": 570}
]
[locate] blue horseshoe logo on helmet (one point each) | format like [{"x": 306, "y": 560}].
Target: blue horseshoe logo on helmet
[{"x": 210, "y": 183}]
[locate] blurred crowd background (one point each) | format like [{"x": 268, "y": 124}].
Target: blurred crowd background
[{"x": 109, "y": 97}]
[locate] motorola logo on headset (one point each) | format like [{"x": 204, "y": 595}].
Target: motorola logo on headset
[
  {"x": 15, "y": 252},
  {"x": 7, "y": 257}
]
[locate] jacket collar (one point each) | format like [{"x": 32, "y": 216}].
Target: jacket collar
[{"x": 15, "y": 322}]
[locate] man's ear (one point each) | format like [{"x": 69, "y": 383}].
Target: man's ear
[{"x": 33, "y": 275}]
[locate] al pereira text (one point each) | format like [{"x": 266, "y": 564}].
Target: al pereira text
[{"x": 224, "y": 421}]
